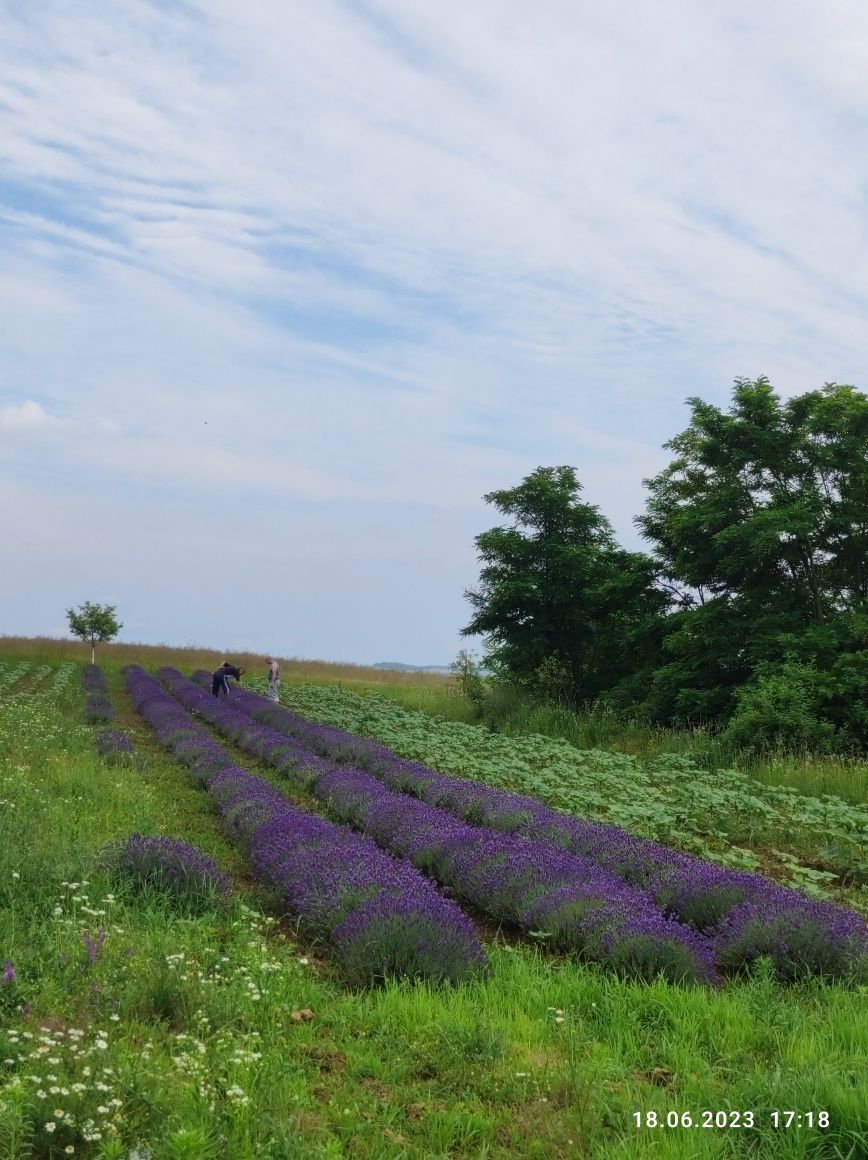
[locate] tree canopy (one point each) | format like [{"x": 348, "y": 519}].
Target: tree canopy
[
  {"x": 754, "y": 596},
  {"x": 762, "y": 518},
  {"x": 558, "y": 600}
]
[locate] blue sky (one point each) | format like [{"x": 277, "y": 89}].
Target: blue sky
[{"x": 288, "y": 287}]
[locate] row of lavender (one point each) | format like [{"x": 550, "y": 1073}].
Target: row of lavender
[
  {"x": 382, "y": 917},
  {"x": 534, "y": 885},
  {"x": 112, "y": 745},
  {"x": 746, "y": 915},
  {"x": 97, "y": 706}
]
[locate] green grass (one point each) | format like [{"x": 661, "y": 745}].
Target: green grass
[{"x": 178, "y": 1039}]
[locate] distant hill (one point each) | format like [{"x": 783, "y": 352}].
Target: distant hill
[{"x": 412, "y": 668}]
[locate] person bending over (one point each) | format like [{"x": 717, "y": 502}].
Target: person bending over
[{"x": 220, "y": 678}]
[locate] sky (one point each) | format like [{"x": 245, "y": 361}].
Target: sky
[{"x": 287, "y": 287}]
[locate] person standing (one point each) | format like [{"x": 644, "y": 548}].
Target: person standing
[
  {"x": 273, "y": 692},
  {"x": 220, "y": 678}
]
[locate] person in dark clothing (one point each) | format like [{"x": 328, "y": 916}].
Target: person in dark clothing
[{"x": 220, "y": 678}]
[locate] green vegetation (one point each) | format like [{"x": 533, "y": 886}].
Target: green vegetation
[
  {"x": 750, "y": 616},
  {"x": 565, "y": 610},
  {"x": 817, "y": 844},
  {"x": 222, "y": 1033}
]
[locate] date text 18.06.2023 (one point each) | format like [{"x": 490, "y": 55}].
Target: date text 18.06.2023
[{"x": 775, "y": 1118}]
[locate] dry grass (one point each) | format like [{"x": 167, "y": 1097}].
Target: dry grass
[{"x": 152, "y": 656}]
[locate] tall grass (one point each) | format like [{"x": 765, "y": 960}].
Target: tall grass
[{"x": 152, "y": 656}]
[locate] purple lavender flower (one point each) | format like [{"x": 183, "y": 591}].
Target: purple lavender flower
[
  {"x": 92, "y": 677},
  {"x": 8, "y": 975},
  {"x": 505, "y": 877},
  {"x": 114, "y": 746},
  {"x": 97, "y": 706}
]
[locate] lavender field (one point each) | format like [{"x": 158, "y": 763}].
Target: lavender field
[{"x": 226, "y": 926}]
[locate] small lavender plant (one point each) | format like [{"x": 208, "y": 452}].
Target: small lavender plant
[
  {"x": 116, "y": 748},
  {"x": 188, "y": 878}
]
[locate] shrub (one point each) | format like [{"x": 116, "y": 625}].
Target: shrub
[
  {"x": 781, "y": 709},
  {"x": 115, "y": 748},
  {"x": 97, "y": 706},
  {"x": 188, "y": 878}
]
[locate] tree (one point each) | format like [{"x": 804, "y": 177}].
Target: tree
[
  {"x": 556, "y": 593},
  {"x": 468, "y": 676},
  {"x": 94, "y": 623},
  {"x": 762, "y": 519}
]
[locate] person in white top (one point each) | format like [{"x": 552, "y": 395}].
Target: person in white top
[{"x": 273, "y": 679}]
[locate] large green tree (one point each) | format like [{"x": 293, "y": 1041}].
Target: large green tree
[
  {"x": 762, "y": 518},
  {"x": 557, "y": 598}
]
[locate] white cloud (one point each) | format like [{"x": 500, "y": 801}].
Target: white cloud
[{"x": 27, "y": 416}]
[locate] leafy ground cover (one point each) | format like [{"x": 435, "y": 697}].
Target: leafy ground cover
[
  {"x": 817, "y": 844},
  {"x": 226, "y": 1033}
]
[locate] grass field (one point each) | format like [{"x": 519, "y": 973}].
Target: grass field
[{"x": 130, "y": 1029}]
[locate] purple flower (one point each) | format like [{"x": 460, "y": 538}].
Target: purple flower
[
  {"x": 175, "y": 869},
  {"x": 506, "y": 877},
  {"x": 114, "y": 746},
  {"x": 8, "y": 975},
  {"x": 93, "y": 945}
]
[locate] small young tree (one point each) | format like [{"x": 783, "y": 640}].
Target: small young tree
[
  {"x": 467, "y": 673},
  {"x": 94, "y": 623}
]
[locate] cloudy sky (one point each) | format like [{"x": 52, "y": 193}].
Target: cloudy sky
[{"x": 287, "y": 286}]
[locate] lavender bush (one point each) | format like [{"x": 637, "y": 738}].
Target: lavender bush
[
  {"x": 190, "y": 879},
  {"x": 115, "y": 748},
  {"x": 382, "y": 917},
  {"x": 533, "y": 885},
  {"x": 745, "y": 914}
]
